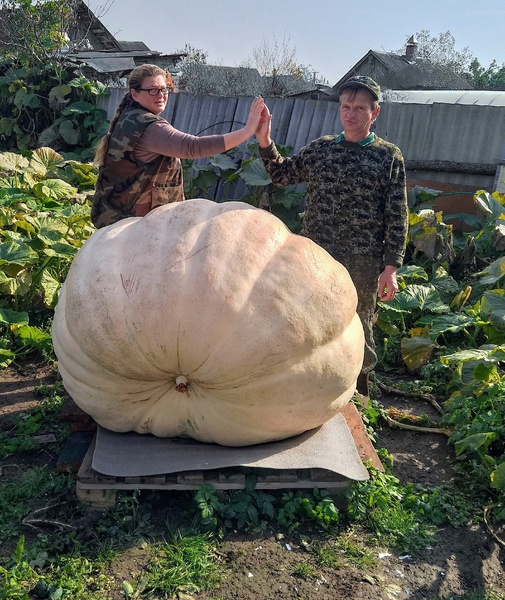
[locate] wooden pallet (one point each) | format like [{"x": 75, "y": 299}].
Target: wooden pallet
[{"x": 99, "y": 491}]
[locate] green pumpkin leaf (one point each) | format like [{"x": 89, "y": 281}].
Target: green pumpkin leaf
[
  {"x": 253, "y": 173},
  {"x": 17, "y": 254},
  {"x": 223, "y": 162},
  {"x": 18, "y": 285},
  {"x": 77, "y": 108},
  {"x": 34, "y": 337},
  {"x": 69, "y": 131},
  {"x": 57, "y": 95},
  {"x": 289, "y": 199},
  {"x": 489, "y": 206},
  {"x": 24, "y": 99},
  {"x": 50, "y": 287},
  {"x": 412, "y": 272},
  {"x": 6, "y": 126},
  {"x": 12, "y": 317},
  {"x": 465, "y": 356},
  {"x": 12, "y": 162},
  {"x": 479, "y": 442},
  {"x": 416, "y": 351},
  {"x": 492, "y": 308},
  {"x": 44, "y": 159},
  {"x": 6, "y": 357},
  {"x": 54, "y": 188},
  {"x": 498, "y": 477},
  {"x": 423, "y": 297},
  {"x": 61, "y": 250},
  {"x": 451, "y": 323},
  {"x": 494, "y": 272}
]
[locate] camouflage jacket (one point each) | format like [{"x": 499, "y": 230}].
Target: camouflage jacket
[
  {"x": 356, "y": 195},
  {"x": 126, "y": 187}
]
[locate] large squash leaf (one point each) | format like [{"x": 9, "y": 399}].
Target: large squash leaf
[
  {"x": 493, "y": 307},
  {"x": 494, "y": 272},
  {"x": 416, "y": 350}
]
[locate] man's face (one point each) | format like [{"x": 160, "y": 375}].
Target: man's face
[{"x": 357, "y": 114}]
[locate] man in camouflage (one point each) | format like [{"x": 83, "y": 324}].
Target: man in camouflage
[{"x": 356, "y": 205}]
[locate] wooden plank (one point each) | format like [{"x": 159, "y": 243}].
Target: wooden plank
[
  {"x": 280, "y": 476},
  {"x": 85, "y": 472},
  {"x": 191, "y": 477},
  {"x": 96, "y": 498},
  {"x": 363, "y": 444},
  {"x": 74, "y": 451},
  {"x": 235, "y": 478}
]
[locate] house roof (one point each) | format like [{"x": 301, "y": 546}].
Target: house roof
[
  {"x": 132, "y": 46},
  {"x": 474, "y": 97},
  {"x": 394, "y": 71},
  {"x": 114, "y": 62}
]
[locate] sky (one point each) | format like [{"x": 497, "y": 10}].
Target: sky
[{"x": 329, "y": 36}]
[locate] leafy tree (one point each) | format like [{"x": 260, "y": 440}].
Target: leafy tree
[
  {"x": 44, "y": 101},
  {"x": 35, "y": 31},
  {"x": 442, "y": 51},
  {"x": 491, "y": 78}
]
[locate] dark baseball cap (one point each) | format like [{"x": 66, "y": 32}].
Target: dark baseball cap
[{"x": 360, "y": 81}]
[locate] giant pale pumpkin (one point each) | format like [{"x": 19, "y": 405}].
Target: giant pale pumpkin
[{"x": 210, "y": 321}]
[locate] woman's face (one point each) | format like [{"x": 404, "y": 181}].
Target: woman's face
[{"x": 155, "y": 104}]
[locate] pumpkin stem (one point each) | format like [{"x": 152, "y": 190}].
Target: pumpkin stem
[{"x": 181, "y": 383}]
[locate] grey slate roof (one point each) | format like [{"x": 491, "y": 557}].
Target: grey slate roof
[{"x": 396, "y": 72}]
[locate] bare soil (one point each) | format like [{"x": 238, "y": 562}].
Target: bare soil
[{"x": 264, "y": 566}]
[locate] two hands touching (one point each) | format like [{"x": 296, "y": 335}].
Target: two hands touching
[{"x": 259, "y": 122}]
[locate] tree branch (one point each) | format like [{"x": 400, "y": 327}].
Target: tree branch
[{"x": 396, "y": 391}]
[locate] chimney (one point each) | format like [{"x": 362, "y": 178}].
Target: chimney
[{"x": 411, "y": 49}]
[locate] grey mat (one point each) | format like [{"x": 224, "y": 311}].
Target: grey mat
[{"x": 330, "y": 447}]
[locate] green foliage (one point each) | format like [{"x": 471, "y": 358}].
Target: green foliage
[
  {"x": 244, "y": 169},
  {"x": 185, "y": 563},
  {"x": 44, "y": 217},
  {"x": 49, "y": 105},
  {"x": 405, "y": 517},
  {"x": 492, "y": 77},
  {"x": 254, "y": 510},
  {"x": 41, "y": 419},
  {"x": 17, "y": 495},
  {"x": 17, "y": 580},
  {"x": 451, "y": 329},
  {"x": 35, "y": 29}
]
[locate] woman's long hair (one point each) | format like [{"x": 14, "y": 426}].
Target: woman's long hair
[{"x": 135, "y": 81}]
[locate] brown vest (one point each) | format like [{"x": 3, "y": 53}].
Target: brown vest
[{"x": 126, "y": 187}]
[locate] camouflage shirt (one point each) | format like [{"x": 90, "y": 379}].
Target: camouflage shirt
[
  {"x": 127, "y": 187},
  {"x": 356, "y": 195}
]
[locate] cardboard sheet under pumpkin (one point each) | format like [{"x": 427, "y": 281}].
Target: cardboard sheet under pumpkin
[{"x": 330, "y": 446}]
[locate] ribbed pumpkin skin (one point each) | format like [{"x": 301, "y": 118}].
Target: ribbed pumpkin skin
[{"x": 261, "y": 322}]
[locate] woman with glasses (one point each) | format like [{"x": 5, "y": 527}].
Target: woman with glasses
[{"x": 139, "y": 157}]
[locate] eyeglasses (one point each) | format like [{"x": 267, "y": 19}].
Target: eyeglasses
[{"x": 155, "y": 91}]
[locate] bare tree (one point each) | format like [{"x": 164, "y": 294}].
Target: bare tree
[
  {"x": 277, "y": 63},
  {"x": 270, "y": 58}
]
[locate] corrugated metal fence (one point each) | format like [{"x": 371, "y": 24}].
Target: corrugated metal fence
[{"x": 460, "y": 144}]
